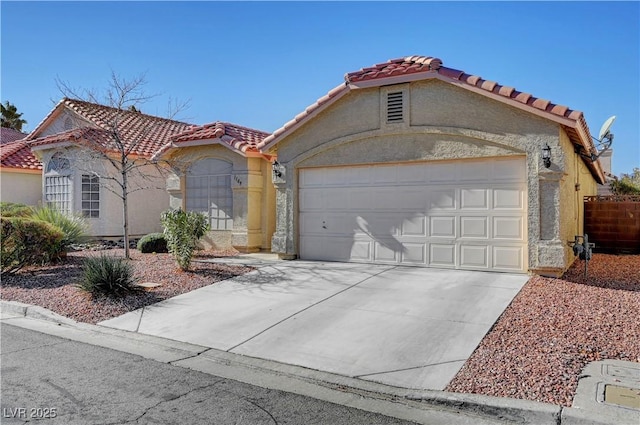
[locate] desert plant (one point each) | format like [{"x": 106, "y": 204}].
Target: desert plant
[
  {"x": 153, "y": 242},
  {"x": 25, "y": 241},
  {"x": 73, "y": 226},
  {"x": 110, "y": 276},
  {"x": 10, "y": 209},
  {"x": 183, "y": 230}
]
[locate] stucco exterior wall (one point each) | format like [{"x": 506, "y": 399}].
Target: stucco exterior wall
[
  {"x": 577, "y": 183},
  {"x": 20, "y": 187},
  {"x": 442, "y": 122},
  {"x": 253, "y": 193},
  {"x": 146, "y": 200}
]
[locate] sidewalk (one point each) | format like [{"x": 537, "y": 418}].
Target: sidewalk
[{"x": 607, "y": 394}]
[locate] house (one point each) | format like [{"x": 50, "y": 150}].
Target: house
[
  {"x": 77, "y": 143},
  {"x": 410, "y": 162},
  {"x": 20, "y": 170},
  {"x": 219, "y": 171}
]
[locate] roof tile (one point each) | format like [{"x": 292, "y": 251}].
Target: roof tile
[
  {"x": 18, "y": 155},
  {"x": 142, "y": 134},
  {"x": 240, "y": 138}
]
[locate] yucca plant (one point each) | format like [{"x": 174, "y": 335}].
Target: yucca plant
[
  {"x": 110, "y": 276},
  {"x": 73, "y": 226},
  {"x": 182, "y": 231}
]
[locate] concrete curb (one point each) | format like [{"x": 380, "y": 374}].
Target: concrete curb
[{"x": 398, "y": 402}]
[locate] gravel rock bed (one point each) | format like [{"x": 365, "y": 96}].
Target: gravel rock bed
[
  {"x": 53, "y": 287},
  {"x": 553, "y": 328},
  {"x": 535, "y": 351}
]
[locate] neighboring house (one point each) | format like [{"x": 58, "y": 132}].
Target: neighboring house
[
  {"x": 78, "y": 179},
  {"x": 409, "y": 162},
  {"x": 20, "y": 170},
  {"x": 219, "y": 171}
]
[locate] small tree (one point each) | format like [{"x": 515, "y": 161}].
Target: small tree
[
  {"x": 182, "y": 231},
  {"x": 10, "y": 117},
  {"x": 628, "y": 184},
  {"x": 112, "y": 147}
]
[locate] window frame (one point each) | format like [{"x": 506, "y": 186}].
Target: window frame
[{"x": 92, "y": 210}]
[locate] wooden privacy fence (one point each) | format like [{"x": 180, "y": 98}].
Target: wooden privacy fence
[{"x": 613, "y": 222}]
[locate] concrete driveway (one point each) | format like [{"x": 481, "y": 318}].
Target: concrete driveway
[{"x": 402, "y": 326}]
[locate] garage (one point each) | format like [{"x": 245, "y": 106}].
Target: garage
[{"x": 462, "y": 214}]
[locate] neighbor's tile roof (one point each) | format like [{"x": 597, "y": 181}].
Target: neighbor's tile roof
[
  {"x": 142, "y": 134},
  {"x": 412, "y": 68},
  {"x": 10, "y": 135},
  {"x": 18, "y": 155},
  {"x": 239, "y": 138}
]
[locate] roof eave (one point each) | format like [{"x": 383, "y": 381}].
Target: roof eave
[{"x": 299, "y": 120}]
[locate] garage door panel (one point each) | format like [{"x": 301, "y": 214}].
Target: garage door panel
[
  {"x": 508, "y": 228},
  {"x": 508, "y": 258},
  {"x": 442, "y": 199},
  {"x": 443, "y": 226},
  {"x": 509, "y": 170},
  {"x": 386, "y": 251},
  {"x": 362, "y": 250},
  {"x": 474, "y": 227},
  {"x": 442, "y": 255},
  {"x": 473, "y": 199},
  {"x": 464, "y": 214},
  {"x": 414, "y": 226},
  {"x": 508, "y": 199},
  {"x": 474, "y": 256},
  {"x": 414, "y": 253}
]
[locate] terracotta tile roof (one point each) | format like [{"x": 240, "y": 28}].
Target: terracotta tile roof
[
  {"x": 141, "y": 134},
  {"x": 413, "y": 68},
  {"x": 238, "y": 138},
  {"x": 10, "y": 135},
  {"x": 18, "y": 155}
]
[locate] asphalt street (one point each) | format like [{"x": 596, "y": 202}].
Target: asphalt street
[{"x": 50, "y": 380}]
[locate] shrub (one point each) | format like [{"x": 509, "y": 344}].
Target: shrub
[
  {"x": 182, "y": 231},
  {"x": 153, "y": 242},
  {"x": 9, "y": 209},
  {"x": 25, "y": 241},
  {"x": 73, "y": 227},
  {"x": 624, "y": 187},
  {"x": 110, "y": 276}
]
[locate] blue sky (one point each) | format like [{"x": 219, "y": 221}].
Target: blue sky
[{"x": 259, "y": 64}]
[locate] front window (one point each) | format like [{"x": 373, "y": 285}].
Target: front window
[
  {"x": 57, "y": 184},
  {"x": 90, "y": 196},
  {"x": 209, "y": 191}
]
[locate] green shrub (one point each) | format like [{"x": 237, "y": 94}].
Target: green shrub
[
  {"x": 182, "y": 231},
  {"x": 153, "y": 242},
  {"x": 110, "y": 276},
  {"x": 25, "y": 241},
  {"x": 73, "y": 227},
  {"x": 624, "y": 187},
  {"x": 9, "y": 209}
]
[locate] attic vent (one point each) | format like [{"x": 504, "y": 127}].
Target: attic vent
[
  {"x": 394, "y": 107},
  {"x": 68, "y": 125}
]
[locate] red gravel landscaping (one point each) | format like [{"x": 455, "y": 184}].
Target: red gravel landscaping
[
  {"x": 535, "y": 351},
  {"x": 553, "y": 328},
  {"x": 53, "y": 287}
]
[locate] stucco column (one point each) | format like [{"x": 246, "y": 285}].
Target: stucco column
[
  {"x": 247, "y": 205},
  {"x": 282, "y": 241},
  {"x": 551, "y": 252}
]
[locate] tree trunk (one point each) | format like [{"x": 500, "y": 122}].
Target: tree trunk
[{"x": 125, "y": 211}]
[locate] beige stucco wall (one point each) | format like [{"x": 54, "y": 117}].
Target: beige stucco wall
[
  {"x": 443, "y": 122},
  {"x": 146, "y": 200},
  {"x": 21, "y": 187},
  {"x": 576, "y": 184},
  {"x": 253, "y": 196}
]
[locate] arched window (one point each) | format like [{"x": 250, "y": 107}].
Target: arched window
[
  {"x": 57, "y": 183},
  {"x": 209, "y": 190}
]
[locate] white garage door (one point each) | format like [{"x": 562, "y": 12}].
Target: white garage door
[{"x": 460, "y": 214}]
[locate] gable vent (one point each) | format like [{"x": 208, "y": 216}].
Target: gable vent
[{"x": 394, "y": 107}]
